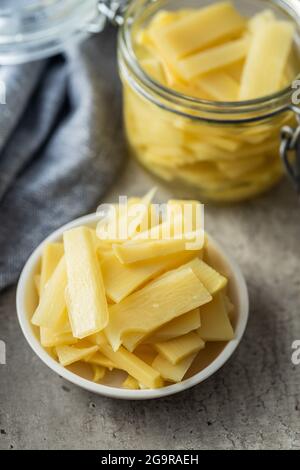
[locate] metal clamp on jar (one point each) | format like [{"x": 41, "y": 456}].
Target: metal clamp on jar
[
  {"x": 290, "y": 150},
  {"x": 216, "y": 150}
]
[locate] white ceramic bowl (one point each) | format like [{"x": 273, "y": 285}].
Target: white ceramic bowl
[{"x": 27, "y": 299}]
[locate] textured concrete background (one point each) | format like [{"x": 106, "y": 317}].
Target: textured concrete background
[{"x": 252, "y": 403}]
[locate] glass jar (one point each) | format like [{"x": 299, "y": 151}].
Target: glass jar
[
  {"x": 222, "y": 151},
  {"x": 34, "y": 29}
]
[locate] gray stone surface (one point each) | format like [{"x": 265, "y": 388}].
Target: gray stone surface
[{"x": 252, "y": 403}]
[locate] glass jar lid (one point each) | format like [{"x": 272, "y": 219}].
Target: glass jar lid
[{"x": 34, "y": 29}]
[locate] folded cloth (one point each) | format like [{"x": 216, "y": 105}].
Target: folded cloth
[{"x": 60, "y": 144}]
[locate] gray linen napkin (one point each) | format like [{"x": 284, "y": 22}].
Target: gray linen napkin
[{"x": 60, "y": 145}]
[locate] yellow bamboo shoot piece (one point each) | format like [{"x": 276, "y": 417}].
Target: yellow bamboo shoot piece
[
  {"x": 51, "y": 309},
  {"x": 178, "y": 327},
  {"x": 87, "y": 304},
  {"x": 56, "y": 336},
  {"x": 199, "y": 30},
  {"x": 261, "y": 19},
  {"x": 178, "y": 349},
  {"x": 52, "y": 254},
  {"x": 130, "y": 383},
  {"x": 215, "y": 324},
  {"x": 211, "y": 59},
  {"x": 266, "y": 60},
  {"x": 37, "y": 283},
  {"x": 69, "y": 354},
  {"x": 132, "y": 252},
  {"x": 64, "y": 324},
  {"x": 133, "y": 365},
  {"x": 120, "y": 280},
  {"x": 171, "y": 372},
  {"x": 160, "y": 301},
  {"x": 221, "y": 86},
  {"x": 165, "y": 18},
  {"x": 99, "y": 372},
  {"x": 50, "y": 338},
  {"x": 101, "y": 246},
  {"x": 210, "y": 278},
  {"x": 100, "y": 360}
]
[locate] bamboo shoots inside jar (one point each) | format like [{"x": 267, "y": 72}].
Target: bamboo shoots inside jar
[{"x": 207, "y": 89}]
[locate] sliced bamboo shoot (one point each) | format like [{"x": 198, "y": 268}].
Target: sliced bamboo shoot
[
  {"x": 134, "y": 366},
  {"x": 37, "y": 283},
  {"x": 51, "y": 309},
  {"x": 160, "y": 301},
  {"x": 199, "y": 30},
  {"x": 221, "y": 86},
  {"x": 171, "y": 372},
  {"x": 266, "y": 60},
  {"x": 50, "y": 338},
  {"x": 180, "y": 326},
  {"x": 120, "y": 280},
  {"x": 214, "y": 58},
  {"x": 177, "y": 349},
  {"x": 69, "y": 354},
  {"x": 87, "y": 304},
  {"x": 210, "y": 278},
  {"x": 100, "y": 360},
  {"x": 52, "y": 254},
  {"x": 215, "y": 324},
  {"x": 261, "y": 19},
  {"x": 132, "y": 252}
]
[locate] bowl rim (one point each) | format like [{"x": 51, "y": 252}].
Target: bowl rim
[{"x": 114, "y": 392}]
